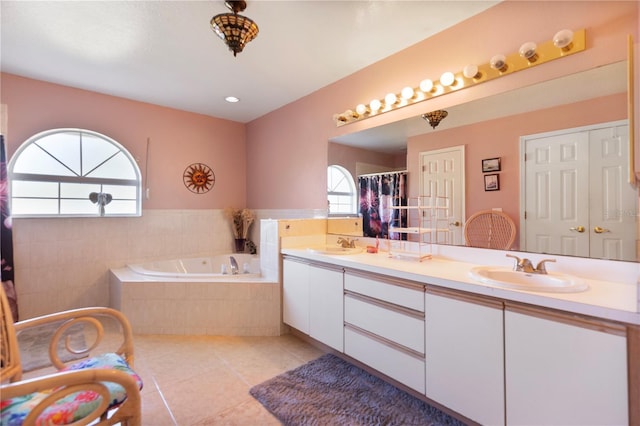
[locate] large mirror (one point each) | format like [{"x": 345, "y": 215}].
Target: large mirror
[{"x": 480, "y": 125}]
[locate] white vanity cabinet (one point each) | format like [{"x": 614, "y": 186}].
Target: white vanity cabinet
[
  {"x": 326, "y": 297},
  {"x": 564, "y": 369},
  {"x": 465, "y": 354},
  {"x": 384, "y": 326},
  {"x": 312, "y": 300},
  {"x": 295, "y": 294}
]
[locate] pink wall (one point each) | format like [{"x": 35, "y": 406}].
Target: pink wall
[
  {"x": 280, "y": 162},
  {"x": 348, "y": 156},
  {"x": 483, "y": 141},
  {"x": 177, "y": 138},
  {"x": 287, "y": 149}
]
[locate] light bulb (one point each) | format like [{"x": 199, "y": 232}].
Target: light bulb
[
  {"x": 499, "y": 62},
  {"x": 407, "y": 93},
  {"x": 339, "y": 117},
  {"x": 375, "y": 105},
  {"x": 426, "y": 85},
  {"x": 528, "y": 51},
  {"x": 447, "y": 79},
  {"x": 361, "y": 109},
  {"x": 471, "y": 71},
  {"x": 563, "y": 39},
  {"x": 390, "y": 99}
]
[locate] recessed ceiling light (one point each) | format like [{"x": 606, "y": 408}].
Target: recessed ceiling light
[{"x": 232, "y": 99}]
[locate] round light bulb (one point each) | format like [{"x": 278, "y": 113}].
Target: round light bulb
[
  {"x": 528, "y": 51},
  {"x": 361, "y": 109},
  {"x": 562, "y": 39},
  {"x": 426, "y": 85},
  {"x": 447, "y": 79},
  {"x": 407, "y": 93},
  {"x": 390, "y": 99},
  {"x": 339, "y": 117},
  {"x": 470, "y": 71},
  {"x": 499, "y": 62},
  {"x": 232, "y": 99},
  {"x": 375, "y": 105}
]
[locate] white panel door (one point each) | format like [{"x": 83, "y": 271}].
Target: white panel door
[
  {"x": 612, "y": 224},
  {"x": 557, "y": 188},
  {"x": 577, "y": 198},
  {"x": 443, "y": 176}
]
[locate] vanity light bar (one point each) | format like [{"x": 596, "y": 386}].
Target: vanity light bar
[{"x": 564, "y": 43}]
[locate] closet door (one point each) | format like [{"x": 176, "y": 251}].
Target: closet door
[
  {"x": 612, "y": 223},
  {"x": 577, "y": 198}
]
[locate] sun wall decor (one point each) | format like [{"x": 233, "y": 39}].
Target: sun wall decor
[{"x": 198, "y": 178}]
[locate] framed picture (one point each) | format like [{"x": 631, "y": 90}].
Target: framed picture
[
  {"x": 492, "y": 182},
  {"x": 491, "y": 165}
]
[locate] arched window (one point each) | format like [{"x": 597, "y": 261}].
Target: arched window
[
  {"x": 74, "y": 172},
  {"x": 341, "y": 191}
]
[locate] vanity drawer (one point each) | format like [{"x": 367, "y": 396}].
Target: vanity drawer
[
  {"x": 397, "y": 364},
  {"x": 398, "y": 292},
  {"x": 400, "y": 326}
]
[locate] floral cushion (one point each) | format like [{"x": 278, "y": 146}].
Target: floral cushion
[{"x": 72, "y": 407}]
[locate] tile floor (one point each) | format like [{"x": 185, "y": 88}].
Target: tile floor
[{"x": 205, "y": 380}]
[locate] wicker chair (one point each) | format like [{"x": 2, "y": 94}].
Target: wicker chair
[
  {"x": 100, "y": 389},
  {"x": 490, "y": 229}
]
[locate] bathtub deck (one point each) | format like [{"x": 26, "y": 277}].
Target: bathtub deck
[{"x": 249, "y": 307}]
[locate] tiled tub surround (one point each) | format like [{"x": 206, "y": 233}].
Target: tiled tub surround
[
  {"x": 236, "y": 306},
  {"x": 64, "y": 263}
]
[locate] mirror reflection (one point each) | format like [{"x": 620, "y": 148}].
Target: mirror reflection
[{"x": 539, "y": 120}]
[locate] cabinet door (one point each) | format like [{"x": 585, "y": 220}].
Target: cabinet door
[
  {"x": 464, "y": 355},
  {"x": 325, "y": 306},
  {"x": 295, "y": 294},
  {"x": 566, "y": 371}
]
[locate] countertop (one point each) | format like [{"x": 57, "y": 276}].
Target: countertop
[{"x": 604, "y": 299}]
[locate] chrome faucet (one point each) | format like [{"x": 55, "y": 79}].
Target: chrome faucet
[
  {"x": 346, "y": 243},
  {"x": 234, "y": 265},
  {"x": 525, "y": 265}
]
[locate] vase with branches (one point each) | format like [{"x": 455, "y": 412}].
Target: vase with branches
[{"x": 240, "y": 220}]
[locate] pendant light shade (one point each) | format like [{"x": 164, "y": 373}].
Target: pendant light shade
[
  {"x": 235, "y": 30},
  {"x": 434, "y": 117}
]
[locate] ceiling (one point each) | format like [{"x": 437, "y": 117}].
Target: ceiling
[{"x": 165, "y": 53}]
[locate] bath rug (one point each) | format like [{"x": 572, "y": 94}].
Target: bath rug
[
  {"x": 34, "y": 345},
  {"x": 331, "y": 391}
]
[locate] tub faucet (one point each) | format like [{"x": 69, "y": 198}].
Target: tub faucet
[
  {"x": 234, "y": 265},
  {"x": 346, "y": 243}
]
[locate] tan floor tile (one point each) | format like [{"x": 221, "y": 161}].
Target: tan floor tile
[
  {"x": 250, "y": 412},
  {"x": 205, "y": 380}
]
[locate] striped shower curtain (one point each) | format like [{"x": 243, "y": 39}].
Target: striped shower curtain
[
  {"x": 379, "y": 192},
  {"x": 6, "y": 238}
]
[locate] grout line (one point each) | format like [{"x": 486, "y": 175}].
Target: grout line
[{"x": 164, "y": 400}]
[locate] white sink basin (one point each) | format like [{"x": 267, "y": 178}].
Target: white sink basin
[
  {"x": 336, "y": 250},
  {"x": 550, "y": 282}
]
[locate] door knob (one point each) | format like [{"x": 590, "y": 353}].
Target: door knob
[
  {"x": 456, "y": 223},
  {"x": 599, "y": 230},
  {"x": 577, "y": 228}
]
